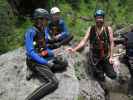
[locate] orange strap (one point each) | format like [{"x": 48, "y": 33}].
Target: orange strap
[{"x": 44, "y": 53}]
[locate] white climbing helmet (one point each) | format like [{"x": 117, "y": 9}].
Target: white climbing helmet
[{"x": 54, "y": 10}]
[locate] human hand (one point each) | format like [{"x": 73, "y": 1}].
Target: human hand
[
  {"x": 71, "y": 50},
  {"x": 57, "y": 37},
  {"x": 110, "y": 60}
]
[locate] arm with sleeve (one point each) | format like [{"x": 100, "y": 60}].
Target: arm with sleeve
[
  {"x": 48, "y": 38},
  {"x": 47, "y": 35},
  {"x": 30, "y": 47},
  {"x": 50, "y": 52},
  {"x": 64, "y": 30}
]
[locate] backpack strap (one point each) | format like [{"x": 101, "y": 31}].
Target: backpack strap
[
  {"x": 92, "y": 29},
  {"x": 106, "y": 29},
  {"x": 92, "y": 33},
  {"x": 107, "y": 34},
  {"x": 39, "y": 40}
]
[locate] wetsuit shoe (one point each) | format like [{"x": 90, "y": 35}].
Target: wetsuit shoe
[{"x": 29, "y": 75}]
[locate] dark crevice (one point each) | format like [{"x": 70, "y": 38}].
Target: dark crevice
[{"x": 26, "y": 7}]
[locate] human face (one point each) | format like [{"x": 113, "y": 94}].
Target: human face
[
  {"x": 99, "y": 20},
  {"x": 41, "y": 22},
  {"x": 55, "y": 17}
]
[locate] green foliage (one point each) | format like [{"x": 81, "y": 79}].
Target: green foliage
[
  {"x": 12, "y": 28},
  {"x": 81, "y": 98},
  {"x": 20, "y": 32},
  {"x": 118, "y": 14},
  {"x": 76, "y": 26},
  {"x": 6, "y": 27}
]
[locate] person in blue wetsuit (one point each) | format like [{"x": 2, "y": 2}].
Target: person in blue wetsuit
[
  {"x": 40, "y": 59},
  {"x": 58, "y": 31}
]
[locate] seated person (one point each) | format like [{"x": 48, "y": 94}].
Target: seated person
[{"x": 58, "y": 33}]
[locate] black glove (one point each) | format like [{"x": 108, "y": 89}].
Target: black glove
[
  {"x": 51, "y": 41},
  {"x": 57, "y": 45},
  {"x": 54, "y": 45},
  {"x": 59, "y": 60}
]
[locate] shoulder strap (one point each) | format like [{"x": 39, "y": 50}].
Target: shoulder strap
[
  {"x": 106, "y": 29},
  {"x": 92, "y": 33},
  {"x": 92, "y": 29},
  {"x": 36, "y": 33},
  {"x": 107, "y": 34}
]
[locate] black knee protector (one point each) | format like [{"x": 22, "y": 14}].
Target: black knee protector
[
  {"x": 61, "y": 61},
  {"x": 60, "y": 64}
]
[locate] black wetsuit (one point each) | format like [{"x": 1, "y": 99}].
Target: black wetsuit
[{"x": 46, "y": 76}]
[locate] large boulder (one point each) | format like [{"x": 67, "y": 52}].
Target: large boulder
[
  {"x": 90, "y": 89},
  {"x": 76, "y": 83},
  {"x": 13, "y": 85}
]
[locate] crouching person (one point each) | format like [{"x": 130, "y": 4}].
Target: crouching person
[{"x": 40, "y": 59}]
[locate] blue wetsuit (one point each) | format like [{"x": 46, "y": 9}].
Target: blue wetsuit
[
  {"x": 44, "y": 73},
  {"x": 30, "y": 49},
  {"x": 58, "y": 28},
  {"x": 61, "y": 28}
]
